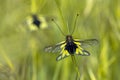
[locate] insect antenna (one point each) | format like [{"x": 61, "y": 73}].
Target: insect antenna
[
  {"x": 58, "y": 27},
  {"x": 74, "y": 25}
]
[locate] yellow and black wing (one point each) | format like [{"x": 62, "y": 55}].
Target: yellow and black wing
[
  {"x": 81, "y": 44},
  {"x": 64, "y": 53},
  {"x": 60, "y": 47}
]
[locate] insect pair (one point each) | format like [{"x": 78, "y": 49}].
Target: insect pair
[{"x": 70, "y": 46}]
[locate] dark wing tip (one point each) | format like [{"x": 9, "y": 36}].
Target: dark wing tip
[
  {"x": 86, "y": 53},
  {"x": 59, "y": 58}
]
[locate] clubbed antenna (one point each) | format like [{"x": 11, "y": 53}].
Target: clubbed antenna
[
  {"x": 58, "y": 27},
  {"x": 74, "y": 25}
]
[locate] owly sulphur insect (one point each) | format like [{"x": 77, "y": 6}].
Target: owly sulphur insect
[{"x": 70, "y": 46}]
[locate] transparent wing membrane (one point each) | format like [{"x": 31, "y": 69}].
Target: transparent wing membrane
[
  {"x": 55, "y": 48},
  {"x": 60, "y": 47},
  {"x": 87, "y": 42}
]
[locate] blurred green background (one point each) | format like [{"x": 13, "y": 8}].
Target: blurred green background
[{"x": 22, "y": 55}]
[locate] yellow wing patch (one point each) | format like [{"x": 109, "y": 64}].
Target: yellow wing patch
[
  {"x": 80, "y": 50},
  {"x": 63, "y": 54}
]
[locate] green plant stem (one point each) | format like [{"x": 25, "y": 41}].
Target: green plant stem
[{"x": 76, "y": 66}]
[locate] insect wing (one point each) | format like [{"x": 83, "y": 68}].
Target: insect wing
[
  {"x": 82, "y": 44},
  {"x": 61, "y": 57},
  {"x": 87, "y": 42},
  {"x": 55, "y": 48},
  {"x": 83, "y": 53},
  {"x": 63, "y": 54}
]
